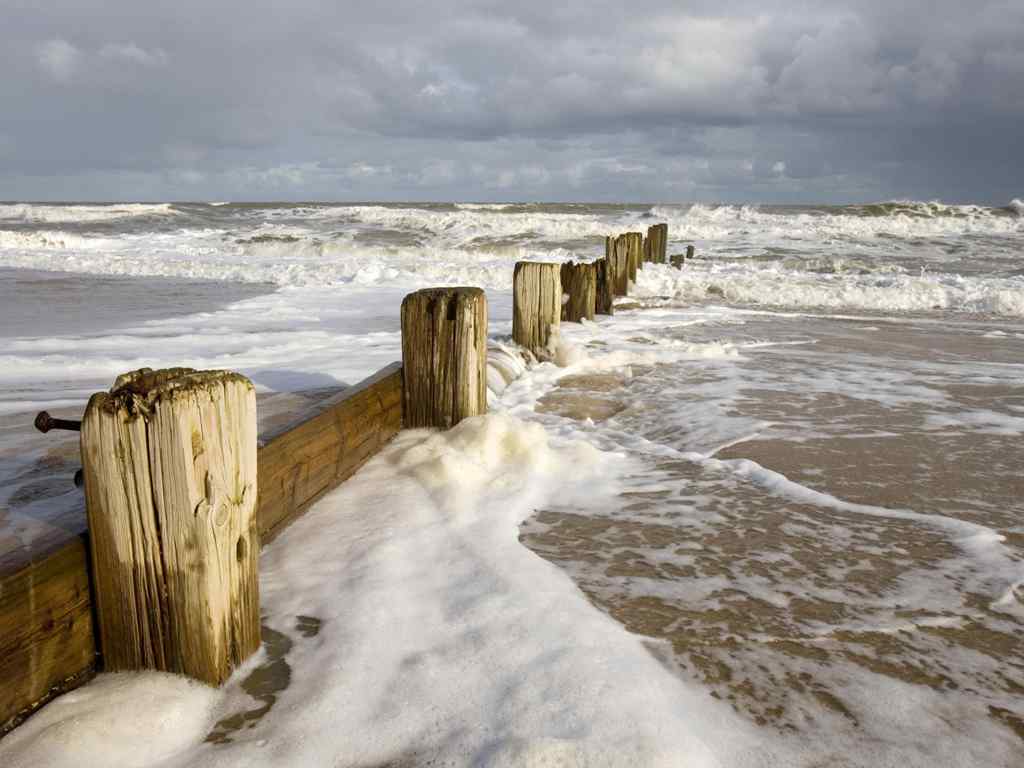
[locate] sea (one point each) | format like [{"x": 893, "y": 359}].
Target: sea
[{"x": 770, "y": 513}]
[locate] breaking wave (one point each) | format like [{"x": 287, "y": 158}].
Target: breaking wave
[
  {"x": 873, "y": 292},
  {"x": 70, "y": 214},
  {"x": 899, "y": 219}
]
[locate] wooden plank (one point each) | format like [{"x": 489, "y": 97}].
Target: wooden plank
[
  {"x": 300, "y": 463},
  {"x": 47, "y": 644}
]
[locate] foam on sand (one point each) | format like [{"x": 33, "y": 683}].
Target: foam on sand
[{"x": 442, "y": 640}]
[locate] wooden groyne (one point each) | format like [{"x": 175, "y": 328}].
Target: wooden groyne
[
  {"x": 181, "y": 493},
  {"x": 49, "y": 642}
]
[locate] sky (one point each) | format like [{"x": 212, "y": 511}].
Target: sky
[{"x": 770, "y": 101}]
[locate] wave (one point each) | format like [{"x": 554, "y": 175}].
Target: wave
[
  {"x": 902, "y": 219},
  {"x": 776, "y": 286},
  {"x": 467, "y": 226},
  {"x": 78, "y": 213},
  {"x": 1017, "y": 206},
  {"x": 53, "y": 240},
  {"x": 281, "y": 260}
]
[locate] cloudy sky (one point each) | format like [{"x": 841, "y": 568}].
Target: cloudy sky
[{"x": 724, "y": 100}]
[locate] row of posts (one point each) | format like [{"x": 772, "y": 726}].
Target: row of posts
[
  {"x": 444, "y": 330},
  {"x": 169, "y": 460}
]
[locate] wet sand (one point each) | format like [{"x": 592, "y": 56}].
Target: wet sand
[{"x": 797, "y": 613}]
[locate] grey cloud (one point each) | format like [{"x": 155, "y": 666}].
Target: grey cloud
[{"x": 729, "y": 100}]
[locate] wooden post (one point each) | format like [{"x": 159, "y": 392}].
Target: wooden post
[
  {"x": 638, "y": 251},
  {"x": 604, "y": 295},
  {"x": 170, "y": 485},
  {"x": 689, "y": 251},
  {"x": 444, "y": 356},
  {"x": 615, "y": 249},
  {"x": 657, "y": 237},
  {"x": 635, "y": 250},
  {"x": 677, "y": 260},
  {"x": 579, "y": 282},
  {"x": 536, "y": 306}
]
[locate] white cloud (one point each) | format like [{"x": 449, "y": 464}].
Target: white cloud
[
  {"x": 130, "y": 52},
  {"x": 58, "y": 58}
]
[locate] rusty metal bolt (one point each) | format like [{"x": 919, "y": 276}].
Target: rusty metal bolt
[{"x": 45, "y": 422}]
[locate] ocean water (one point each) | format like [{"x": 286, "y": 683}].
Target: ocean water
[{"x": 771, "y": 513}]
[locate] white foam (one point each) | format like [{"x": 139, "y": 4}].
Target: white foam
[
  {"x": 123, "y": 720},
  {"x": 63, "y": 214},
  {"x": 906, "y": 219},
  {"x": 777, "y": 287},
  {"x": 441, "y": 637},
  {"x": 1003, "y": 571}
]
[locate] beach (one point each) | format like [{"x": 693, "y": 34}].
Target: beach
[{"x": 769, "y": 513}]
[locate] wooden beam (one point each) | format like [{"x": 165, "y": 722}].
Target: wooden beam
[
  {"x": 47, "y": 644},
  {"x": 325, "y": 446}
]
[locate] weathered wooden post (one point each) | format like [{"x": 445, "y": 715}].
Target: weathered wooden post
[
  {"x": 579, "y": 281},
  {"x": 657, "y": 241},
  {"x": 169, "y": 459},
  {"x": 636, "y": 247},
  {"x": 615, "y": 249},
  {"x": 689, "y": 251},
  {"x": 604, "y": 295},
  {"x": 444, "y": 356},
  {"x": 635, "y": 250},
  {"x": 677, "y": 260},
  {"x": 536, "y": 306}
]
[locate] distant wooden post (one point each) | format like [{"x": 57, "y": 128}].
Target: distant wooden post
[
  {"x": 677, "y": 260},
  {"x": 579, "y": 282},
  {"x": 689, "y": 251},
  {"x": 536, "y": 305},
  {"x": 638, "y": 250},
  {"x": 604, "y": 295},
  {"x": 170, "y": 485},
  {"x": 444, "y": 356},
  {"x": 635, "y": 251},
  {"x": 657, "y": 242},
  {"x": 615, "y": 249}
]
